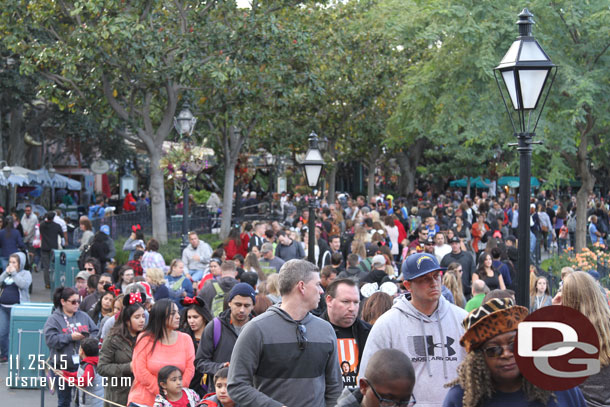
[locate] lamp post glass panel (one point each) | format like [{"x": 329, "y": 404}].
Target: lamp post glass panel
[
  {"x": 525, "y": 71},
  {"x": 184, "y": 125},
  {"x": 312, "y": 164}
]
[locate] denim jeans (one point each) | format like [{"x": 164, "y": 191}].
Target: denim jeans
[
  {"x": 5, "y": 317},
  {"x": 64, "y": 397},
  {"x": 196, "y": 275},
  {"x": 45, "y": 261}
]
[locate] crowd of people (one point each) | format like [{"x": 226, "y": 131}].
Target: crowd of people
[{"x": 392, "y": 312}]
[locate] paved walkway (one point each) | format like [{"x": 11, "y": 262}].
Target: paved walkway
[{"x": 25, "y": 397}]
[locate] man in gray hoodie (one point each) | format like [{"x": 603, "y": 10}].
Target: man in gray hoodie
[
  {"x": 427, "y": 328},
  {"x": 286, "y": 356}
]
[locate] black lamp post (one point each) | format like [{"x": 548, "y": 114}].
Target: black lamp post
[
  {"x": 52, "y": 173},
  {"x": 525, "y": 71},
  {"x": 184, "y": 125},
  {"x": 312, "y": 164}
]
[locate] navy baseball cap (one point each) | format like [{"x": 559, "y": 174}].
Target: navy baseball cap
[{"x": 419, "y": 264}]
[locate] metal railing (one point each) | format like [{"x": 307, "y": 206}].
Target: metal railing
[{"x": 120, "y": 225}]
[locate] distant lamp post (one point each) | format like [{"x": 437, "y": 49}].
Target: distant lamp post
[
  {"x": 6, "y": 172},
  {"x": 184, "y": 124},
  {"x": 270, "y": 161},
  {"x": 525, "y": 72},
  {"x": 312, "y": 164}
]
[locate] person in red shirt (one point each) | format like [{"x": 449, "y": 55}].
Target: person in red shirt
[
  {"x": 129, "y": 203},
  {"x": 171, "y": 392}
]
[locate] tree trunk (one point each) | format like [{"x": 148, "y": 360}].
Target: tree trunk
[
  {"x": 232, "y": 143},
  {"x": 157, "y": 197},
  {"x": 227, "y": 197},
  {"x": 588, "y": 182},
  {"x": 332, "y": 184},
  {"x": 468, "y": 185},
  {"x": 16, "y": 144},
  {"x": 370, "y": 185},
  {"x": 408, "y": 160}
]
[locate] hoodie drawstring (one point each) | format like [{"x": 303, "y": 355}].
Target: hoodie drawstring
[
  {"x": 423, "y": 328},
  {"x": 440, "y": 326}
]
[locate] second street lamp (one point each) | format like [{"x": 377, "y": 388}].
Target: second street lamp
[
  {"x": 525, "y": 71},
  {"x": 312, "y": 164},
  {"x": 184, "y": 125}
]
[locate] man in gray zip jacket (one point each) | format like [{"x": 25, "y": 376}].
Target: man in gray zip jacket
[{"x": 287, "y": 356}]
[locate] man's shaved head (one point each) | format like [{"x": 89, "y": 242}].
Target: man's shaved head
[{"x": 387, "y": 365}]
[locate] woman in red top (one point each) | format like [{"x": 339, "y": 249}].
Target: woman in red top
[
  {"x": 158, "y": 346},
  {"x": 479, "y": 228},
  {"x": 233, "y": 245}
]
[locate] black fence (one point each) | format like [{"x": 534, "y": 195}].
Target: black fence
[{"x": 199, "y": 220}]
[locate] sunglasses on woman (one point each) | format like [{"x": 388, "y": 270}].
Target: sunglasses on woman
[{"x": 498, "y": 350}]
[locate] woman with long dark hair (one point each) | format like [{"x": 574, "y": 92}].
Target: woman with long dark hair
[
  {"x": 486, "y": 272},
  {"x": 103, "y": 308},
  {"x": 159, "y": 345},
  {"x": 117, "y": 349},
  {"x": 63, "y": 331},
  {"x": 193, "y": 319}
]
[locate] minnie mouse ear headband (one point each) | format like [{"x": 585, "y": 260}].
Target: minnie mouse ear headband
[
  {"x": 112, "y": 289},
  {"x": 497, "y": 316},
  {"x": 186, "y": 301},
  {"x": 369, "y": 289},
  {"x": 134, "y": 298},
  {"x": 135, "y": 228}
]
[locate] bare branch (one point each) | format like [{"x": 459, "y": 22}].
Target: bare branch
[
  {"x": 114, "y": 104},
  {"x": 168, "y": 114},
  {"x": 63, "y": 81},
  {"x": 183, "y": 20}
]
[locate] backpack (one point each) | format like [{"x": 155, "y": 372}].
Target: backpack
[
  {"x": 84, "y": 255},
  {"x": 219, "y": 299}
]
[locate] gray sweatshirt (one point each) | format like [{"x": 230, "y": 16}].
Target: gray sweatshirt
[
  {"x": 269, "y": 368},
  {"x": 431, "y": 342}
]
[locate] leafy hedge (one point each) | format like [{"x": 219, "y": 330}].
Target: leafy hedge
[{"x": 170, "y": 250}]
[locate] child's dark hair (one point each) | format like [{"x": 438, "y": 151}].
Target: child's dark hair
[
  {"x": 163, "y": 375},
  {"x": 222, "y": 373},
  {"x": 90, "y": 347}
]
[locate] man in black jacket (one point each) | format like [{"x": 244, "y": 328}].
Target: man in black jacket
[
  {"x": 467, "y": 262},
  {"x": 220, "y": 334},
  {"x": 50, "y": 233},
  {"x": 342, "y": 305}
]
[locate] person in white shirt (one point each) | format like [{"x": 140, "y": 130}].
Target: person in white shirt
[
  {"x": 64, "y": 227},
  {"x": 440, "y": 247}
]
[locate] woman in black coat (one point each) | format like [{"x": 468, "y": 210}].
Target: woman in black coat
[{"x": 117, "y": 351}]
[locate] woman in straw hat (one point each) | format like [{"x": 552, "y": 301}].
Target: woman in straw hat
[{"x": 489, "y": 375}]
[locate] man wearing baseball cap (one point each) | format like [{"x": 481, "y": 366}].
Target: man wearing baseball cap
[
  {"x": 427, "y": 328},
  {"x": 219, "y": 335}
]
